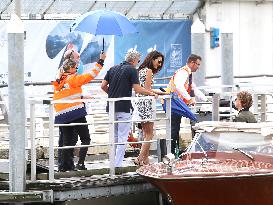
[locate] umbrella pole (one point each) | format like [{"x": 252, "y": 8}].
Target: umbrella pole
[{"x": 102, "y": 44}]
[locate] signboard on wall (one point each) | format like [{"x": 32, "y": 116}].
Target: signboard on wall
[
  {"x": 45, "y": 45},
  {"x": 46, "y": 42},
  {"x": 171, "y": 37}
]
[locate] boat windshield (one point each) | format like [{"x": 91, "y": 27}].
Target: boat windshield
[
  {"x": 232, "y": 137},
  {"x": 221, "y": 149}
]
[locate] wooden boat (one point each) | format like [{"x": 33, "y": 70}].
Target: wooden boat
[{"x": 227, "y": 163}]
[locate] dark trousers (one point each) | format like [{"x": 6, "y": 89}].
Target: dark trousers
[
  {"x": 61, "y": 162},
  {"x": 69, "y": 137},
  {"x": 175, "y": 128}
]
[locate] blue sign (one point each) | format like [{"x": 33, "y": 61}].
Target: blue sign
[
  {"x": 171, "y": 37},
  {"x": 214, "y": 37}
]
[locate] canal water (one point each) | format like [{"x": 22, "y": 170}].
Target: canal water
[{"x": 149, "y": 198}]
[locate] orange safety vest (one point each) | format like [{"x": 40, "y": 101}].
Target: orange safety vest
[
  {"x": 172, "y": 88},
  {"x": 69, "y": 88}
]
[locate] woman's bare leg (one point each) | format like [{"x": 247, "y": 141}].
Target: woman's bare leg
[{"x": 148, "y": 128}]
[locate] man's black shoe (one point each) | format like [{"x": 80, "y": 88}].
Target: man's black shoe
[
  {"x": 65, "y": 170},
  {"x": 61, "y": 169},
  {"x": 81, "y": 167}
]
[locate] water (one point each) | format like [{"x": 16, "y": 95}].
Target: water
[{"x": 149, "y": 198}]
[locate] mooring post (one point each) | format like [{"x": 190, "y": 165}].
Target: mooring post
[{"x": 17, "y": 118}]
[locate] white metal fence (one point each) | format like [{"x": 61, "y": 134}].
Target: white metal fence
[{"x": 111, "y": 122}]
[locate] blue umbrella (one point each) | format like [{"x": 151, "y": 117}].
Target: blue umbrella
[
  {"x": 104, "y": 22},
  {"x": 180, "y": 108}
]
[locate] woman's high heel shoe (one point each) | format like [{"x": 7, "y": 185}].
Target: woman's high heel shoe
[
  {"x": 138, "y": 162},
  {"x": 145, "y": 162}
]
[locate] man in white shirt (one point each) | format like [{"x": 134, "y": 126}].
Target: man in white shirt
[{"x": 181, "y": 85}]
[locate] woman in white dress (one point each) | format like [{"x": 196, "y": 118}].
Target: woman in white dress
[{"x": 152, "y": 64}]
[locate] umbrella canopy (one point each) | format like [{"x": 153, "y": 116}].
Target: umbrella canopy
[
  {"x": 104, "y": 22},
  {"x": 180, "y": 108}
]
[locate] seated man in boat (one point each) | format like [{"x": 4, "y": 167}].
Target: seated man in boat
[{"x": 243, "y": 102}]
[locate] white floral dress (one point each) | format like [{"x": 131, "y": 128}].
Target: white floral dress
[{"x": 144, "y": 106}]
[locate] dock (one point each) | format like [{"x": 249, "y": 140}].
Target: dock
[{"x": 89, "y": 184}]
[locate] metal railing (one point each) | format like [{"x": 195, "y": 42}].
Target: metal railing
[
  {"x": 111, "y": 123},
  {"x": 259, "y": 102}
]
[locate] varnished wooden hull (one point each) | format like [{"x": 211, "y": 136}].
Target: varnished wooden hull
[
  {"x": 243, "y": 190},
  {"x": 252, "y": 186}
]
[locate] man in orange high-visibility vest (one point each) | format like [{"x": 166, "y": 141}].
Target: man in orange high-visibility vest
[
  {"x": 68, "y": 87},
  {"x": 181, "y": 85}
]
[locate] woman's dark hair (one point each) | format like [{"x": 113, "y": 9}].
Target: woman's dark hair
[{"x": 149, "y": 63}]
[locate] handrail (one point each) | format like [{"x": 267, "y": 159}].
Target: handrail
[
  {"x": 49, "y": 102},
  {"x": 111, "y": 123},
  {"x": 156, "y": 79}
]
